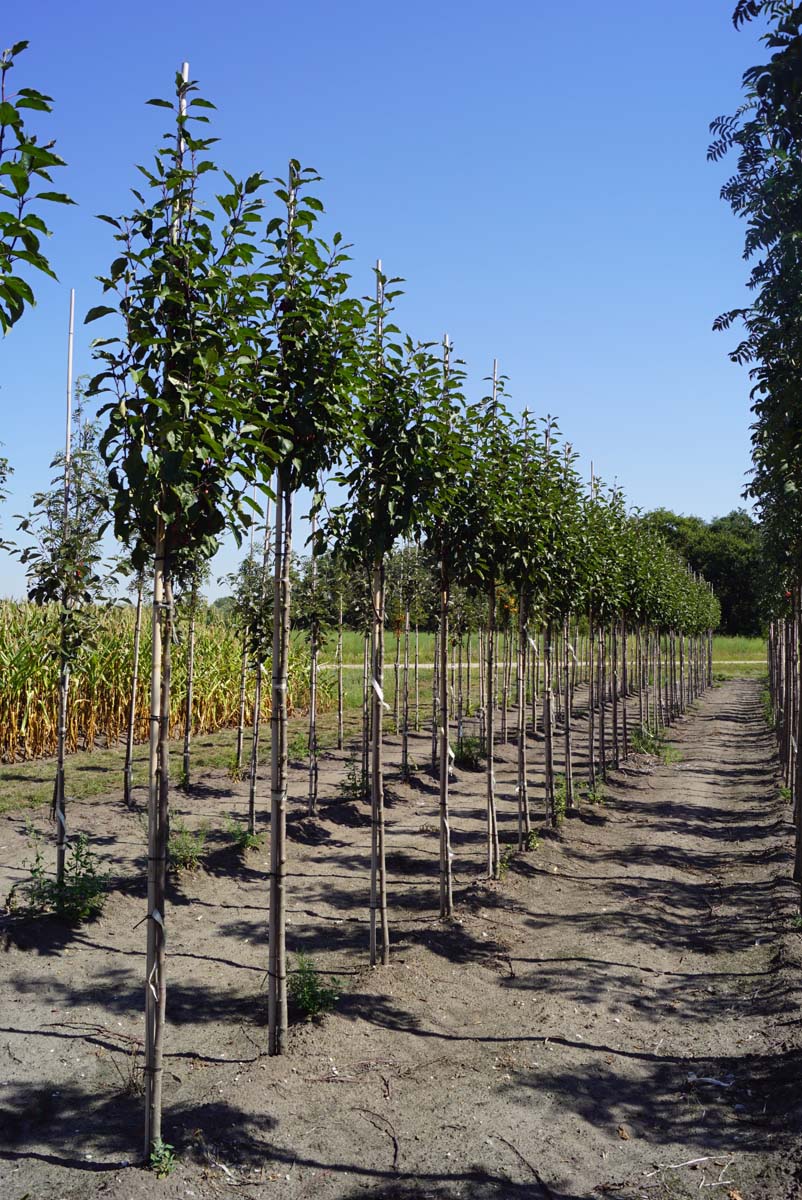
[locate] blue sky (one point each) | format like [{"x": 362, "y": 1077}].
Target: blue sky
[{"x": 534, "y": 169}]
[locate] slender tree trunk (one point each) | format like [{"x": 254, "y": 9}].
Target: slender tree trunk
[
  {"x": 524, "y": 816},
  {"x": 446, "y": 891},
  {"x": 591, "y": 705},
  {"x": 155, "y": 976},
  {"x": 378, "y": 872},
  {"x": 314, "y": 643},
  {"x": 277, "y": 958},
  {"x": 569, "y": 765},
  {"x": 59, "y": 798},
  {"x": 615, "y": 687},
  {"x": 493, "y": 854},
  {"x": 254, "y": 758},
  {"x": 548, "y": 725},
  {"x": 405, "y": 701},
  {"x": 188, "y": 704},
  {"x": 243, "y": 688},
  {"x": 128, "y": 773},
  {"x": 340, "y": 717}
]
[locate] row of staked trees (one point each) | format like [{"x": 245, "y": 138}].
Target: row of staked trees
[
  {"x": 238, "y": 369},
  {"x": 765, "y": 191}
]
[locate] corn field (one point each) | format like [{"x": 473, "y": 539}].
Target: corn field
[{"x": 101, "y": 681}]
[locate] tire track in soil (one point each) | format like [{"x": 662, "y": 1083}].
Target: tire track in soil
[{"x": 626, "y": 1000}]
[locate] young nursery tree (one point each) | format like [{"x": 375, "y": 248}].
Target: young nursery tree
[{"x": 180, "y": 369}]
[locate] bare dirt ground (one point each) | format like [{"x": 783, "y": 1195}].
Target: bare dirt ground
[{"x": 625, "y": 1001}]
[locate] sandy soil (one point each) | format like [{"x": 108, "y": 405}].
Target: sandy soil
[{"x": 625, "y": 1001}]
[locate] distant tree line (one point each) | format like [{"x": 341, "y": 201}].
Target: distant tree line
[{"x": 728, "y": 551}]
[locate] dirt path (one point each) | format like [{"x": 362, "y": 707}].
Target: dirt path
[{"x": 625, "y": 1001}]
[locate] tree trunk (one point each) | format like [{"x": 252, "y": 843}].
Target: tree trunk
[
  {"x": 277, "y": 960},
  {"x": 446, "y": 891},
  {"x": 314, "y": 640},
  {"x": 340, "y": 729},
  {"x": 155, "y": 978},
  {"x": 128, "y": 773},
  {"x": 193, "y": 601},
  {"x": 493, "y": 854},
  {"x": 378, "y": 871}
]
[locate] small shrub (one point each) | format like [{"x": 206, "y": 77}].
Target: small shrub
[
  {"x": 796, "y": 922},
  {"x": 592, "y": 793},
  {"x": 352, "y": 786},
  {"x": 162, "y": 1159},
  {"x": 785, "y": 794},
  {"x": 235, "y": 770},
  {"x": 560, "y": 798},
  {"x": 81, "y": 896},
  {"x": 307, "y": 991},
  {"x": 185, "y": 849},
  {"x": 768, "y": 708},
  {"x": 240, "y": 836},
  {"x": 469, "y": 753},
  {"x": 532, "y": 841},
  {"x": 646, "y": 741},
  {"x": 505, "y": 859}
]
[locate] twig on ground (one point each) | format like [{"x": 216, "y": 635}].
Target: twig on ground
[
  {"x": 539, "y": 1178},
  {"x": 369, "y": 1114}
]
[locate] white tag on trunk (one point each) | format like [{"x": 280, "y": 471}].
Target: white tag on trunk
[{"x": 380, "y": 694}]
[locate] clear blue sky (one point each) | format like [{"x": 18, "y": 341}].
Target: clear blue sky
[{"x": 534, "y": 169}]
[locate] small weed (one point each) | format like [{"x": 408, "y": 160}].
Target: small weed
[
  {"x": 504, "y": 861},
  {"x": 236, "y": 772},
  {"x": 306, "y": 990},
  {"x": 184, "y": 848},
  {"x": 559, "y": 798},
  {"x": 79, "y": 898},
  {"x": 240, "y": 836},
  {"x": 592, "y": 793},
  {"x": 532, "y": 841},
  {"x": 427, "y": 827},
  {"x": 162, "y": 1159},
  {"x": 796, "y": 922},
  {"x": 353, "y": 786},
  {"x": 469, "y": 753},
  {"x": 298, "y": 747},
  {"x": 768, "y": 708},
  {"x": 785, "y": 794},
  {"x": 646, "y": 741}
]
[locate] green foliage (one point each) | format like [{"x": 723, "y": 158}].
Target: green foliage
[
  {"x": 505, "y": 861},
  {"x": 298, "y": 746},
  {"x": 591, "y": 794},
  {"x": 183, "y": 363},
  {"x": 184, "y": 848},
  {"x": 241, "y": 837},
  {"x": 353, "y": 785},
  {"x": 532, "y": 842},
  {"x": 306, "y": 990},
  {"x": 469, "y": 753},
  {"x": 767, "y": 706},
  {"x": 647, "y": 741},
  {"x": 81, "y": 896},
  {"x": 162, "y": 1160},
  {"x": 560, "y": 798},
  {"x": 728, "y": 551},
  {"x": 25, "y": 165}
]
